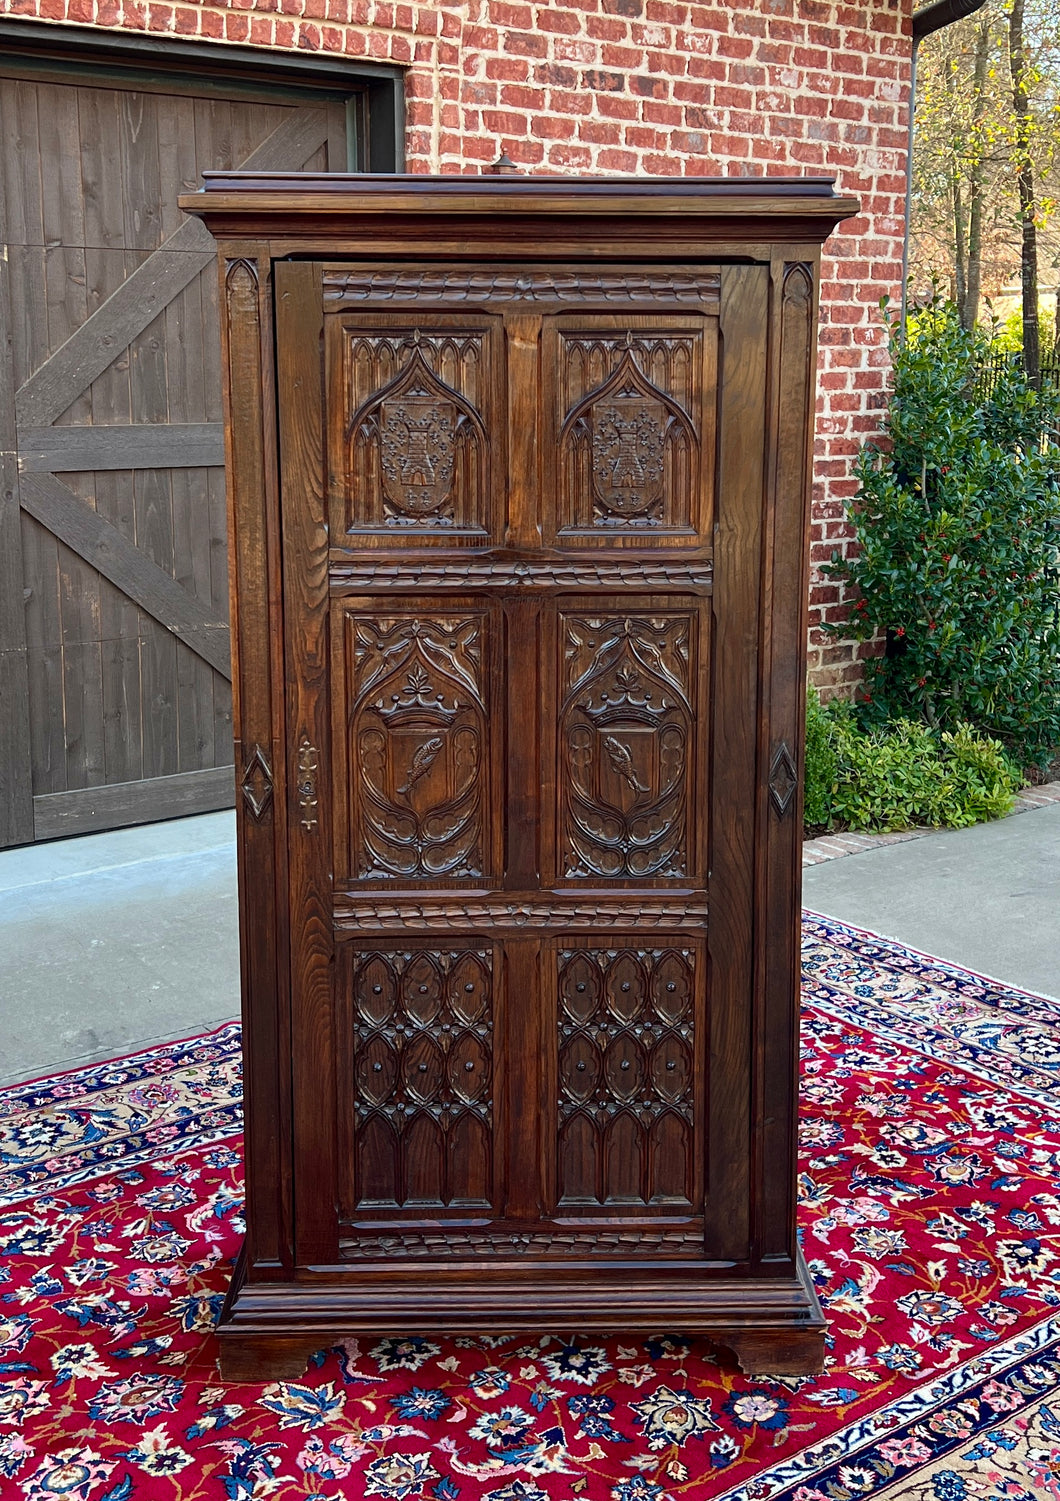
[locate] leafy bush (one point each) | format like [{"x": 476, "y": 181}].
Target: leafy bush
[
  {"x": 904, "y": 774},
  {"x": 820, "y": 762},
  {"x": 956, "y": 523}
]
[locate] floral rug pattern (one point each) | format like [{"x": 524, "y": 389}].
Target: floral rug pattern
[{"x": 931, "y": 1223}]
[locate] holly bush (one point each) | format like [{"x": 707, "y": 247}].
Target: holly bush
[{"x": 956, "y": 520}]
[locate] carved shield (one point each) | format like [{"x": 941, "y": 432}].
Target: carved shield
[
  {"x": 628, "y": 438},
  {"x": 417, "y": 441}
]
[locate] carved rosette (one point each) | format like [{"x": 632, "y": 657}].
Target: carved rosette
[
  {"x": 418, "y": 746},
  {"x": 626, "y": 1071},
  {"x": 416, "y": 446},
  {"x": 625, "y": 742},
  {"x": 423, "y": 1104},
  {"x": 628, "y": 447}
]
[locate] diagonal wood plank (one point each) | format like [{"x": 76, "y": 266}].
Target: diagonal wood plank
[
  {"x": 291, "y": 144},
  {"x": 93, "y": 538},
  {"x": 141, "y": 445},
  {"x": 52, "y": 389}
]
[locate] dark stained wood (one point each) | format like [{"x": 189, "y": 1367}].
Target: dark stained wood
[
  {"x": 299, "y": 328},
  {"x": 730, "y": 937},
  {"x": 542, "y": 593},
  {"x": 246, "y": 299},
  {"x": 784, "y": 626}
]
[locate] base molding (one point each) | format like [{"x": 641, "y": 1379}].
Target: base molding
[{"x": 269, "y": 1330}]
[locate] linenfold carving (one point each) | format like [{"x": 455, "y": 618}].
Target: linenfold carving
[
  {"x": 625, "y": 729},
  {"x": 423, "y": 1048},
  {"x": 418, "y": 745},
  {"x": 626, "y": 1071}
]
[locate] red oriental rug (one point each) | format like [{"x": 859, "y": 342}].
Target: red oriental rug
[{"x": 930, "y": 1207}]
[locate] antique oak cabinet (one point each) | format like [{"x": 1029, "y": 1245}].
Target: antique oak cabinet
[{"x": 519, "y": 479}]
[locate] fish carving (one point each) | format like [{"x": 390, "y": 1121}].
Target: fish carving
[
  {"x": 622, "y": 762},
  {"x": 422, "y": 760}
]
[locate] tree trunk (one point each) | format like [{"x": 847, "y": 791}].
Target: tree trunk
[
  {"x": 976, "y": 171},
  {"x": 960, "y": 283},
  {"x": 1025, "y": 177}
]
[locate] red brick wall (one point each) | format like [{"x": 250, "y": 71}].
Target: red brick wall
[{"x": 652, "y": 87}]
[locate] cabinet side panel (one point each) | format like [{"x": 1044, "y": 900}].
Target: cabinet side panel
[
  {"x": 737, "y": 571},
  {"x": 247, "y": 331},
  {"x": 781, "y": 753},
  {"x": 299, "y": 323}
]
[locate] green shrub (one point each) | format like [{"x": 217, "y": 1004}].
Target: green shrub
[
  {"x": 904, "y": 774},
  {"x": 820, "y": 762},
  {"x": 955, "y": 524}
]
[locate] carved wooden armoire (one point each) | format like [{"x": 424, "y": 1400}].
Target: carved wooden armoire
[{"x": 519, "y": 484}]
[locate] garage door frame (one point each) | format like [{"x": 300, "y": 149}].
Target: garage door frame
[{"x": 374, "y": 97}]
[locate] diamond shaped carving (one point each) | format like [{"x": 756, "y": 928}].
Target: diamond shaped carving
[
  {"x": 783, "y": 779},
  {"x": 256, "y": 785}
]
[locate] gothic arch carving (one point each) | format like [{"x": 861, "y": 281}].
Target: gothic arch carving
[
  {"x": 417, "y": 450},
  {"x": 633, "y": 448}
]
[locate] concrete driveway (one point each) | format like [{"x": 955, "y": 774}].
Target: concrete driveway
[{"x": 115, "y": 941}]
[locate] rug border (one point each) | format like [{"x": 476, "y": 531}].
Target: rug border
[
  {"x": 935, "y": 959},
  {"x": 150, "y": 1047}
]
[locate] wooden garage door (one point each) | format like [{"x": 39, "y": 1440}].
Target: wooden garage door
[{"x": 115, "y": 701}]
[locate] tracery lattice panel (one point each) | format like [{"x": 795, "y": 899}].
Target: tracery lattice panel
[
  {"x": 422, "y": 1040},
  {"x": 626, "y": 1076}
]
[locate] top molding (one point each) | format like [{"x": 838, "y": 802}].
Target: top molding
[{"x": 690, "y": 210}]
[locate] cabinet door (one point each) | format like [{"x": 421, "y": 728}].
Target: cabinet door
[{"x": 521, "y": 731}]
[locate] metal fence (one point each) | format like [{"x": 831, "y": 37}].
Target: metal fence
[{"x": 998, "y": 364}]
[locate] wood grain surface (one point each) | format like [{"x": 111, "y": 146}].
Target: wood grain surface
[{"x": 542, "y": 591}]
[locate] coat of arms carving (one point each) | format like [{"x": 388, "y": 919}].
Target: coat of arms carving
[
  {"x": 628, "y": 433},
  {"x": 417, "y": 441},
  {"x": 416, "y": 450},
  {"x": 628, "y": 448}
]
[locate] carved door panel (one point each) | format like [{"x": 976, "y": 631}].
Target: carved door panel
[{"x": 502, "y": 704}]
